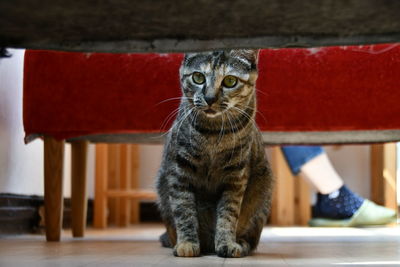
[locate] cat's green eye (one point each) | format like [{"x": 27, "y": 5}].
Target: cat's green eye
[
  {"x": 230, "y": 81},
  {"x": 198, "y": 78}
]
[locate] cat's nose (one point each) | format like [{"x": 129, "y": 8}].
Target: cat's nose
[{"x": 210, "y": 99}]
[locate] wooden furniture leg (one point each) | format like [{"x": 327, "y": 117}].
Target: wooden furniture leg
[
  {"x": 113, "y": 182},
  {"x": 282, "y": 211},
  {"x": 53, "y": 187},
  {"x": 383, "y": 174},
  {"x": 302, "y": 202},
  {"x": 125, "y": 184},
  {"x": 117, "y": 180},
  {"x": 135, "y": 204},
  {"x": 78, "y": 187},
  {"x": 100, "y": 198}
]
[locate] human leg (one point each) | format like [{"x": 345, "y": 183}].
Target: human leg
[
  {"x": 336, "y": 204},
  {"x": 313, "y": 164}
]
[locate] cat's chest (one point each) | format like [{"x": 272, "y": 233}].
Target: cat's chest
[
  {"x": 212, "y": 163},
  {"x": 211, "y": 152}
]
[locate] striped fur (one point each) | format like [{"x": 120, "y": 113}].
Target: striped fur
[{"x": 214, "y": 183}]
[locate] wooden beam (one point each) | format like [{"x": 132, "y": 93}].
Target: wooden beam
[
  {"x": 133, "y": 194},
  {"x": 167, "y": 26}
]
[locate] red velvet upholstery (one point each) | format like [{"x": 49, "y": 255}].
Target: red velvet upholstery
[{"x": 326, "y": 89}]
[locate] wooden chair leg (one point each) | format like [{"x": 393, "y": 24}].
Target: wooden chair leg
[
  {"x": 100, "y": 197},
  {"x": 135, "y": 204},
  {"x": 78, "y": 187},
  {"x": 302, "y": 203},
  {"x": 53, "y": 187},
  {"x": 282, "y": 211},
  {"x": 113, "y": 182},
  {"x": 383, "y": 175},
  {"x": 125, "y": 184}
]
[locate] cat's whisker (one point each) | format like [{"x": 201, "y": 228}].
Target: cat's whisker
[
  {"x": 193, "y": 121},
  {"x": 173, "y": 98},
  {"x": 164, "y": 134},
  {"x": 222, "y": 129},
  {"x": 241, "y": 126},
  {"x": 169, "y": 117},
  {"x": 241, "y": 111},
  {"x": 243, "y": 107},
  {"x": 261, "y": 92},
  {"x": 234, "y": 136},
  {"x": 185, "y": 116},
  {"x": 257, "y": 112},
  {"x": 262, "y": 115},
  {"x": 251, "y": 119},
  {"x": 166, "y": 121}
]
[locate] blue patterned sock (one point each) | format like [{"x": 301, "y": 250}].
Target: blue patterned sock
[{"x": 341, "y": 204}]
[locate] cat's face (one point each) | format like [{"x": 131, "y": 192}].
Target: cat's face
[{"x": 219, "y": 81}]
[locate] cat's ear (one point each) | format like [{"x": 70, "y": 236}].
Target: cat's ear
[
  {"x": 186, "y": 56},
  {"x": 249, "y": 54}
]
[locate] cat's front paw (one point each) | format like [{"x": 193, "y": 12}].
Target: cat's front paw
[
  {"x": 187, "y": 249},
  {"x": 230, "y": 250}
]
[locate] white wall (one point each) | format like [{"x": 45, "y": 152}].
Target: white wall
[
  {"x": 21, "y": 166},
  {"x": 352, "y": 162},
  {"x": 150, "y": 160}
]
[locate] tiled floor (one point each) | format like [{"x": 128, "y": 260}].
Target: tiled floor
[{"x": 139, "y": 246}]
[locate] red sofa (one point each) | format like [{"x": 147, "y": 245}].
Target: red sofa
[{"x": 318, "y": 95}]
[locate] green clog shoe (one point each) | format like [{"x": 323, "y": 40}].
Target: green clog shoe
[{"x": 367, "y": 215}]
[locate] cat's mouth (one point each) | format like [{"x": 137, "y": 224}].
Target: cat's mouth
[{"x": 210, "y": 111}]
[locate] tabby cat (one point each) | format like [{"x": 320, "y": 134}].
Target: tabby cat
[{"x": 214, "y": 183}]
